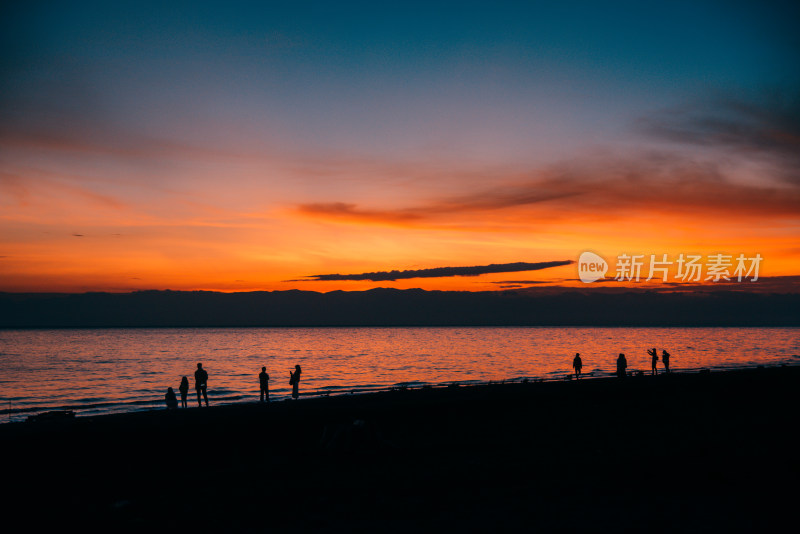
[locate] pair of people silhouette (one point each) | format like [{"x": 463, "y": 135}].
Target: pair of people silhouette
[
  {"x": 294, "y": 381},
  {"x": 654, "y": 360}
]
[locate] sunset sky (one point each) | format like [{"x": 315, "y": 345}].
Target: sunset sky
[{"x": 240, "y": 146}]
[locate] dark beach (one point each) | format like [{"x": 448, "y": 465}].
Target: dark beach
[{"x": 697, "y": 452}]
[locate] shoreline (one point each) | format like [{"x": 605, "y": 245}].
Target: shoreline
[
  {"x": 248, "y": 397},
  {"x": 699, "y": 452}
]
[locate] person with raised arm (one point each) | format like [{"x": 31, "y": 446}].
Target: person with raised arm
[{"x": 654, "y": 360}]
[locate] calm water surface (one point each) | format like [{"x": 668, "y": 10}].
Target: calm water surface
[{"x": 113, "y": 370}]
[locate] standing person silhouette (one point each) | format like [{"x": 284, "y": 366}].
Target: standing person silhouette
[
  {"x": 577, "y": 364},
  {"x": 665, "y": 359},
  {"x": 294, "y": 380},
  {"x": 622, "y": 364},
  {"x": 184, "y": 389},
  {"x": 654, "y": 361},
  {"x": 263, "y": 380},
  {"x": 201, "y": 383}
]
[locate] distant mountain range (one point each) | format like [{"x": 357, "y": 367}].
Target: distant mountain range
[{"x": 392, "y": 307}]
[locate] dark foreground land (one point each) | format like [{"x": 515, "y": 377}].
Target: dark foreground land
[{"x": 681, "y": 453}]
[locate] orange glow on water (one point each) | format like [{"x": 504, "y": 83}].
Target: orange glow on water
[{"x": 81, "y": 373}]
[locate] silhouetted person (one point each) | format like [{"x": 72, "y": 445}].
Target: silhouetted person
[
  {"x": 294, "y": 380},
  {"x": 654, "y": 360},
  {"x": 201, "y": 383},
  {"x": 263, "y": 380},
  {"x": 184, "y": 389},
  {"x": 665, "y": 359},
  {"x": 171, "y": 399},
  {"x": 577, "y": 364},
  {"x": 622, "y": 364}
]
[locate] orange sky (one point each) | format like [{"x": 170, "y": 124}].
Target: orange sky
[
  {"x": 62, "y": 233},
  {"x": 239, "y": 151}
]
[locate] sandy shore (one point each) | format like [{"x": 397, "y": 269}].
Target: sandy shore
[{"x": 684, "y": 452}]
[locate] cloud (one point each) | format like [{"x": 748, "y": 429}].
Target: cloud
[
  {"x": 766, "y": 128},
  {"x": 112, "y": 143},
  {"x": 654, "y": 181},
  {"x": 666, "y": 182},
  {"x": 486, "y": 200},
  {"x": 763, "y": 133},
  {"x": 518, "y": 284},
  {"x": 23, "y": 189},
  {"x": 764, "y": 284},
  {"x": 523, "y": 282},
  {"x": 501, "y": 197},
  {"x": 437, "y": 272},
  {"x": 345, "y": 211},
  {"x": 508, "y": 284}
]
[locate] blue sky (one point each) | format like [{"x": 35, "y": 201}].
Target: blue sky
[{"x": 388, "y": 78}]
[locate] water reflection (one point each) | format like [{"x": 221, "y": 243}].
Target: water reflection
[{"x": 109, "y": 370}]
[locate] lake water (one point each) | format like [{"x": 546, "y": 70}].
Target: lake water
[{"x": 112, "y": 370}]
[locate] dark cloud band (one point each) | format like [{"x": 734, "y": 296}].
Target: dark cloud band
[{"x": 438, "y": 272}]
